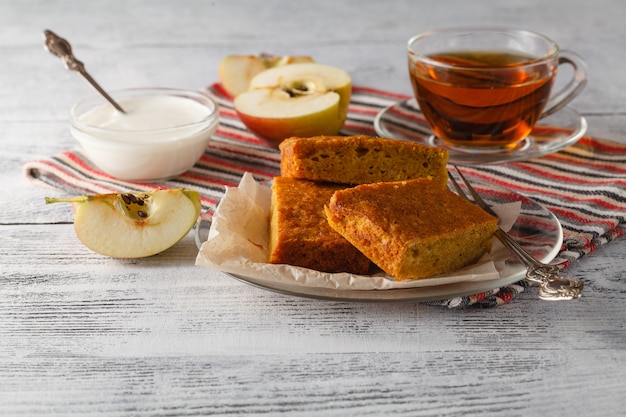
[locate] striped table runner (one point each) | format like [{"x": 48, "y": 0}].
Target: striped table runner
[{"x": 583, "y": 185}]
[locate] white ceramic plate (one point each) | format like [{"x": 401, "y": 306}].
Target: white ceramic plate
[{"x": 404, "y": 120}]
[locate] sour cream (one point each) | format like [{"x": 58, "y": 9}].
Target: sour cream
[
  {"x": 161, "y": 134},
  {"x": 155, "y": 112}
]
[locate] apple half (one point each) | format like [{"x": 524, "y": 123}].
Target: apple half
[
  {"x": 133, "y": 225},
  {"x": 236, "y": 71},
  {"x": 303, "y": 100}
]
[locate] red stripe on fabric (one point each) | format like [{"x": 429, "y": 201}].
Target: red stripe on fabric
[
  {"x": 81, "y": 163},
  {"x": 571, "y": 214},
  {"x": 270, "y": 155},
  {"x": 602, "y": 145},
  {"x": 95, "y": 172},
  {"x": 208, "y": 201},
  {"x": 505, "y": 297},
  {"x": 208, "y": 181},
  {"x": 546, "y": 190},
  {"x": 378, "y": 92},
  {"x": 241, "y": 137},
  {"x": 354, "y": 125},
  {"x": 360, "y": 110},
  {"x": 220, "y": 90},
  {"x": 230, "y": 113},
  {"x": 568, "y": 178},
  {"x": 564, "y": 158},
  {"x": 236, "y": 167},
  {"x": 57, "y": 167},
  {"x": 407, "y": 115}
]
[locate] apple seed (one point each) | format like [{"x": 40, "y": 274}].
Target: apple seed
[
  {"x": 301, "y": 88},
  {"x": 132, "y": 205}
]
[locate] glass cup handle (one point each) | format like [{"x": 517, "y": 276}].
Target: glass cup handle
[{"x": 572, "y": 88}]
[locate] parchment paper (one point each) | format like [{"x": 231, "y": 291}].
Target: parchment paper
[{"x": 238, "y": 243}]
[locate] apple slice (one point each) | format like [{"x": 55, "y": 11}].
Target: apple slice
[
  {"x": 303, "y": 100},
  {"x": 133, "y": 225},
  {"x": 236, "y": 71}
]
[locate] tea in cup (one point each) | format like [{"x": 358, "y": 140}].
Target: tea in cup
[{"x": 483, "y": 89}]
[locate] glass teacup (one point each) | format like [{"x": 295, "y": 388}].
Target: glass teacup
[{"x": 483, "y": 89}]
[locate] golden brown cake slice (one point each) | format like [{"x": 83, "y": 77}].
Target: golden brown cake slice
[
  {"x": 361, "y": 160},
  {"x": 412, "y": 229},
  {"x": 300, "y": 234}
]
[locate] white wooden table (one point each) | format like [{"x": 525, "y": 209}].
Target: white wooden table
[{"x": 85, "y": 335}]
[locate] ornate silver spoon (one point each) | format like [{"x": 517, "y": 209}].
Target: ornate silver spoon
[{"x": 61, "y": 48}]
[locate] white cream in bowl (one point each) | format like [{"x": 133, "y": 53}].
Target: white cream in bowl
[{"x": 162, "y": 134}]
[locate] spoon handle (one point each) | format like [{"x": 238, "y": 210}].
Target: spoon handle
[{"x": 62, "y": 48}]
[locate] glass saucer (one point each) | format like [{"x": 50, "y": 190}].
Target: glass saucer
[{"x": 405, "y": 121}]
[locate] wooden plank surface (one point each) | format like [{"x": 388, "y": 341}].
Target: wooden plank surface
[{"x": 85, "y": 335}]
